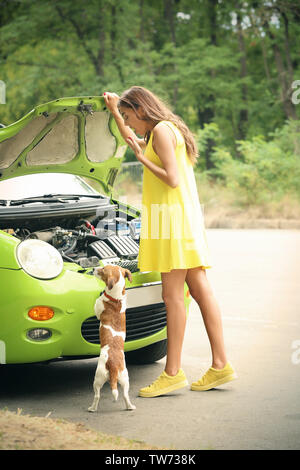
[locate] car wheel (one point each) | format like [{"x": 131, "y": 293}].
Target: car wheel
[{"x": 148, "y": 355}]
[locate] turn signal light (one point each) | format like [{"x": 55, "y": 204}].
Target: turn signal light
[{"x": 41, "y": 313}]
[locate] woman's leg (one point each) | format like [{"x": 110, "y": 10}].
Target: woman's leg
[
  {"x": 172, "y": 378},
  {"x": 173, "y": 296},
  {"x": 201, "y": 292}
]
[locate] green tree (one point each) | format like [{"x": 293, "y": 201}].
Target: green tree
[{"x": 229, "y": 63}]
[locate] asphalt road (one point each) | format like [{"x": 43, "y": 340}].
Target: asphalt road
[{"x": 256, "y": 280}]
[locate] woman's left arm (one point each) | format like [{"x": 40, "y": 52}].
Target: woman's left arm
[{"x": 164, "y": 144}]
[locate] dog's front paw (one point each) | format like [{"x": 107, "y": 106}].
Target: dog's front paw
[{"x": 98, "y": 307}]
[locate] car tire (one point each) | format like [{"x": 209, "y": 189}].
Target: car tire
[{"x": 148, "y": 355}]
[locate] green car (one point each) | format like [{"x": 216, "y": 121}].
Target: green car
[{"x": 55, "y": 228}]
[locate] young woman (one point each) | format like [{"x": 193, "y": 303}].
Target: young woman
[{"x": 173, "y": 239}]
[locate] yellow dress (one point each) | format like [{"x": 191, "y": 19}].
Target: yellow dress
[{"x": 172, "y": 229}]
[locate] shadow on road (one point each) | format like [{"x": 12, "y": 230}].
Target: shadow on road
[{"x": 19, "y": 380}]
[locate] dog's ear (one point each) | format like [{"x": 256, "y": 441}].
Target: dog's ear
[{"x": 128, "y": 274}]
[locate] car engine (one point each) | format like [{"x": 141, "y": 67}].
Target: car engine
[{"x": 85, "y": 238}]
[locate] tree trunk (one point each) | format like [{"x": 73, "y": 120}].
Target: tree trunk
[
  {"x": 101, "y": 38},
  {"x": 243, "y": 114},
  {"x": 283, "y": 77},
  {"x": 169, "y": 17},
  {"x": 141, "y": 14},
  {"x": 208, "y": 114},
  {"x": 113, "y": 38}
]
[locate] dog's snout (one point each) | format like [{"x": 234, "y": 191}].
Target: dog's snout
[{"x": 98, "y": 272}]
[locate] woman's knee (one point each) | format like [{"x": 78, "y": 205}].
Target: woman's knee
[
  {"x": 198, "y": 284},
  {"x": 173, "y": 286},
  {"x": 172, "y": 298}
]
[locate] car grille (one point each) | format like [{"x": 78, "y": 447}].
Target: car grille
[{"x": 140, "y": 323}]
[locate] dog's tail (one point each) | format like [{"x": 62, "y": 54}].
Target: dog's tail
[{"x": 113, "y": 379}]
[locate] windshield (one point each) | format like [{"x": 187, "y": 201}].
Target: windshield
[{"x": 43, "y": 183}]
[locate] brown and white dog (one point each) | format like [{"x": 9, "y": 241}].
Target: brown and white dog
[{"x": 110, "y": 309}]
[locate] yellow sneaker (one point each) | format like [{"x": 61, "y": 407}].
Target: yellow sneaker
[
  {"x": 164, "y": 384},
  {"x": 214, "y": 377}
]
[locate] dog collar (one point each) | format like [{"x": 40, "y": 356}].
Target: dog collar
[{"x": 110, "y": 297}]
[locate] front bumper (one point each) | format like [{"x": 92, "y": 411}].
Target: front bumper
[{"x": 72, "y": 297}]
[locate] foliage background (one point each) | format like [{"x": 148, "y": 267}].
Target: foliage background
[{"x": 226, "y": 67}]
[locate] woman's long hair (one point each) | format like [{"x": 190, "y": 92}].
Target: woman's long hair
[{"x": 155, "y": 110}]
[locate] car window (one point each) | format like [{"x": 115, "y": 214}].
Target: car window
[{"x": 43, "y": 183}]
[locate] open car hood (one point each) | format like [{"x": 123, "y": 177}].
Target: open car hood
[{"x": 69, "y": 135}]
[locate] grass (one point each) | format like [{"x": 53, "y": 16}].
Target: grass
[
  {"x": 223, "y": 207},
  {"x": 25, "y": 432}
]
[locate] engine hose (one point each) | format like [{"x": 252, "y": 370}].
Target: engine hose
[
  {"x": 86, "y": 235},
  {"x": 69, "y": 249},
  {"x": 92, "y": 237},
  {"x": 67, "y": 258}
]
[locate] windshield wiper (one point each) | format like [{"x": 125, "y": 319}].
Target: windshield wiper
[
  {"x": 70, "y": 196},
  {"x": 43, "y": 199},
  {"x": 50, "y": 198}
]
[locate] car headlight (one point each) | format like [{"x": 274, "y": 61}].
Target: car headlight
[{"x": 39, "y": 259}]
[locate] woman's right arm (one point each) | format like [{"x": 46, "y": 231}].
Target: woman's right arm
[{"x": 111, "y": 101}]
